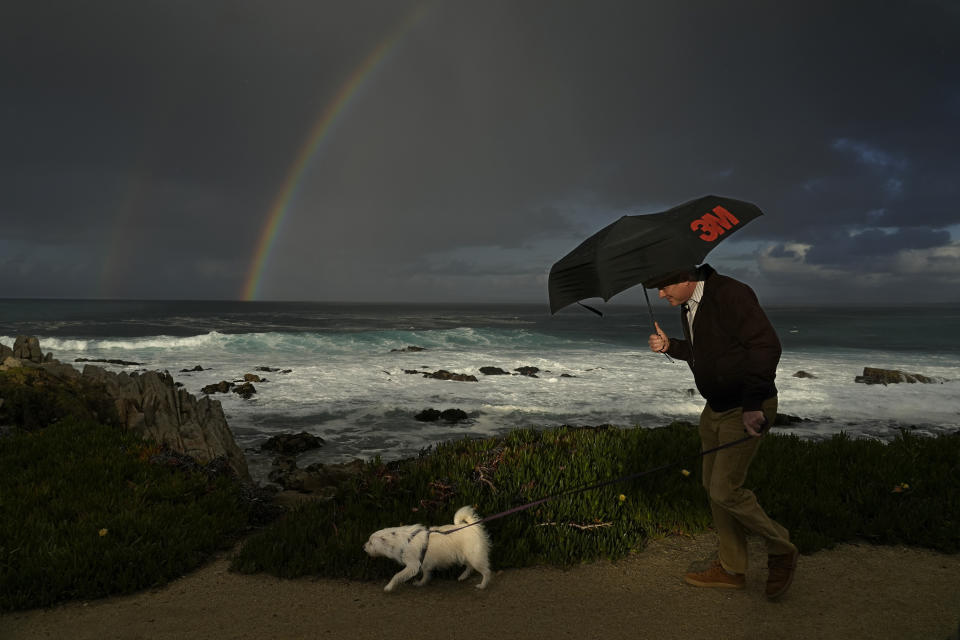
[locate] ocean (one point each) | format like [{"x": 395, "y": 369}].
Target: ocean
[{"x": 348, "y": 364}]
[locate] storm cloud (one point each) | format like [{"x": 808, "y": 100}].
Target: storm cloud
[{"x": 468, "y": 145}]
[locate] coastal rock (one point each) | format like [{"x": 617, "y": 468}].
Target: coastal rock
[
  {"x": 410, "y": 349},
  {"x": 151, "y": 405},
  {"x": 530, "y": 372},
  {"x": 447, "y": 415},
  {"x": 252, "y": 377},
  {"x": 220, "y": 387},
  {"x": 27, "y": 348},
  {"x": 786, "y": 420},
  {"x": 292, "y": 443},
  {"x": 45, "y": 361},
  {"x": 428, "y": 415},
  {"x": 443, "y": 374},
  {"x": 804, "y": 374},
  {"x": 454, "y": 415},
  {"x": 873, "y": 375},
  {"x": 493, "y": 371},
  {"x": 260, "y": 500},
  {"x": 317, "y": 478},
  {"x": 245, "y": 390},
  {"x": 61, "y": 371},
  {"x": 196, "y": 368},
  {"x": 125, "y": 363},
  {"x": 26, "y": 352},
  {"x": 273, "y": 370}
]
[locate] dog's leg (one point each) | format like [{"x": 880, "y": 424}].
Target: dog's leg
[
  {"x": 425, "y": 578},
  {"x": 402, "y": 576},
  {"x": 482, "y": 566},
  {"x": 466, "y": 573},
  {"x": 486, "y": 573},
  {"x": 479, "y": 562}
]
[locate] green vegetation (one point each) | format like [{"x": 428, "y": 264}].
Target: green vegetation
[
  {"x": 904, "y": 492},
  {"x": 86, "y": 510},
  {"x": 33, "y": 399},
  {"x": 84, "y": 513}
]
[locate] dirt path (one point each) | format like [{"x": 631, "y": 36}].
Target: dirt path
[{"x": 850, "y": 592}]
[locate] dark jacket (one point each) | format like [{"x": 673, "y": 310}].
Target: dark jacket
[{"x": 735, "y": 348}]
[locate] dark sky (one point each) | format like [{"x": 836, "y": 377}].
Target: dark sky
[{"x": 143, "y": 145}]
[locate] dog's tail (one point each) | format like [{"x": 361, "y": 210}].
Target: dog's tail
[{"x": 465, "y": 515}]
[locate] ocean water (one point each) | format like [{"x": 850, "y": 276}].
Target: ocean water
[{"x": 348, "y": 385}]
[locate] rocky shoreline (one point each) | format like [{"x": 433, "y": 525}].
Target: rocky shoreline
[
  {"x": 148, "y": 403},
  {"x": 152, "y": 404}
]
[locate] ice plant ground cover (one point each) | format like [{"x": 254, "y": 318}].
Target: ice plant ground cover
[
  {"x": 825, "y": 492},
  {"x": 84, "y": 513}
]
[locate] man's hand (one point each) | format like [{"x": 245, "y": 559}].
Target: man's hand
[
  {"x": 755, "y": 423},
  {"x": 659, "y": 342}
]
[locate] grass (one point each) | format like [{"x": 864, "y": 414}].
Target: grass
[
  {"x": 903, "y": 492},
  {"x": 84, "y": 513},
  {"x": 33, "y": 399}
]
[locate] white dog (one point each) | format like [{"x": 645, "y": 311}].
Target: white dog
[{"x": 419, "y": 548}]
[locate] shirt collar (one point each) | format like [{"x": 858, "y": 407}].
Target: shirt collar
[{"x": 696, "y": 296}]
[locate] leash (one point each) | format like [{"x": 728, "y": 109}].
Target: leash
[
  {"x": 568, "y": 492},
  {"x": 423, "y": 551}
]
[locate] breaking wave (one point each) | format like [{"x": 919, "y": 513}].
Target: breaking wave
[{"x": 326, "y": 342}]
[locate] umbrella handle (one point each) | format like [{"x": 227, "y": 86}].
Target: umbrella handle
[{"x": 653, "y": 322}]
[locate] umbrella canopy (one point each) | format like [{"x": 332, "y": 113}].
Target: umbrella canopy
[{"x": 644, "y": 248}]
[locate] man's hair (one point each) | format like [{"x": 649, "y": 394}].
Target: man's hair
[{"x": 687, "y": 274}]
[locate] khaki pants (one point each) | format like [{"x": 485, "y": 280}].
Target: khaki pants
[{"x": 736, "y": 511}]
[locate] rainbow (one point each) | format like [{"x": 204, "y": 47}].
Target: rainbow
[{"x": 324, "y": 124}]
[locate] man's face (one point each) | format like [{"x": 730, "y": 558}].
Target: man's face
[{"x": 677, "y": 294}]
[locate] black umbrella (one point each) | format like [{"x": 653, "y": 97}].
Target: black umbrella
[{"x": 645, "y": 248}]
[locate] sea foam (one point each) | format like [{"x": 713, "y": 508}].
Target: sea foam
[{"x": 354, "y": 390}]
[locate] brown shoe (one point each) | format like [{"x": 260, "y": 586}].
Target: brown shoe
[
  {"x": 716, "y": 576},
  {"x": 782, "y": 568}
]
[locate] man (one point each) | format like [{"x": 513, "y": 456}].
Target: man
[{"x": 733, "y": 351}]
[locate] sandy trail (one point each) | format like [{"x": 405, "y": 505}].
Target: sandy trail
[{"x": 853, "y": 591}]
